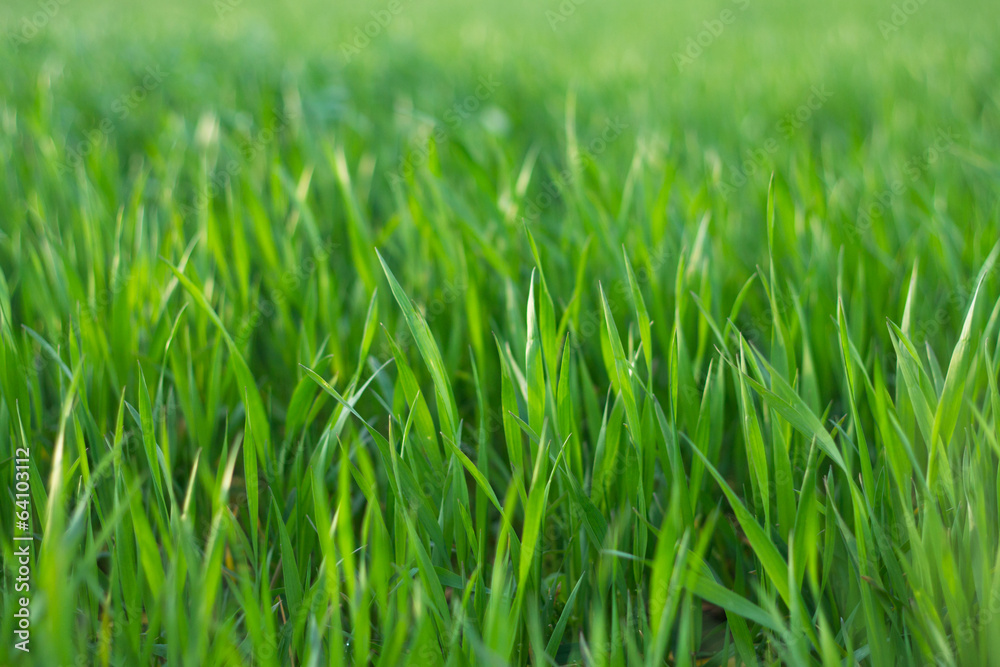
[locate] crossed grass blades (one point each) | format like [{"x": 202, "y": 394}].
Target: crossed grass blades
[{"x": 290, "y": 404}]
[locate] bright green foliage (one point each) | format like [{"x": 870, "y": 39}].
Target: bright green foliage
[{"x": 520, "y": 333}]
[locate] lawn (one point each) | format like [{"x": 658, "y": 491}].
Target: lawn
[{"x": 443, "y": 333}]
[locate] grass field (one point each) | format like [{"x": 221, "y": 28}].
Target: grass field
[{"x": 440, "y": 333}]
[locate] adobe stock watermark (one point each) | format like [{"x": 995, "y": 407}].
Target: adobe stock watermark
[
  {"x": 450, "y": 293},
  {"x": 972, "y": 627},
  {"x": 957, "y": 300},
  {"x": 121, "y": 107},
  {"x": 755, "y": 160},
  {"x": 901, "y": 13},
  {"x": 34, "y": 23},
  {"x": 619, "y": 294},
  {"x": 362, "y": 36},
  {"x": 22, "y": 550},
  {"x": 613, "y": 129},
  {"x": 454, "y": 117},
  {"x": 224, "y": 8},
  {"x": 913, "y": 168},
  {"x": 757, "y": 328},
  {"x": 713, "y": 29},
  {"x": 291, "y": 280},
  {"x": 91, "y": 312},
  {"x": 249, "y": 149},
  {"x": 563, "y": 11}
]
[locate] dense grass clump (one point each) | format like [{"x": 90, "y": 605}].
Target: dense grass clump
[{"x": 433, "y": 333}]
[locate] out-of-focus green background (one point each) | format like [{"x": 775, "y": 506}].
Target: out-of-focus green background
[
  {"x": 894, "y": 75},
  {"x": 268, "y": 149},
  {"x": 726, "y": 92}
]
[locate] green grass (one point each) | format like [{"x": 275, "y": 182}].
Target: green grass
[{"x": 502, "y": 338}]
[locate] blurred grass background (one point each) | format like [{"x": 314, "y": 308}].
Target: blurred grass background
[
  {"x": 895, "y": 77},
  {"x": 118, "y": 122}
]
